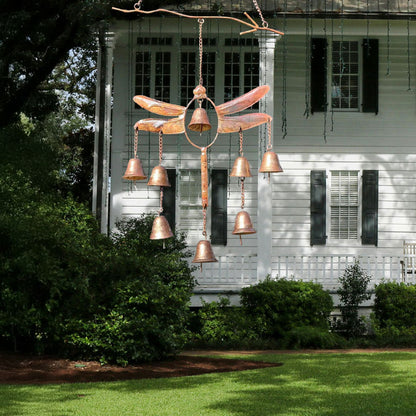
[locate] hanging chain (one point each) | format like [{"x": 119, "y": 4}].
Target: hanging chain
[
  {"x": 269, "y": 135},
  {"x": 161, "y": 201},
  {"x": 201, "y": 22},
  {"x": 204, "y": 222},
  {"x": 388, "y": 38},
  {"x": 240, "y": 133},
  {"x": 136, "y": 141},
  {"x": 263, "y": 22},
  {"x": 160, "y": 146},
  {"x": 408, "y": 48},
  {"x": 243, "y": 198}
]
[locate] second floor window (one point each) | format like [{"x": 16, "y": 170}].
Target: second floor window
[{"x": 345, "y": 75}]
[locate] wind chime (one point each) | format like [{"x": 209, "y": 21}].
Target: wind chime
[{"x": 200, "y": 123}]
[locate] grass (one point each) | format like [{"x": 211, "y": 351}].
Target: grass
[{"x": 371, "y": 384}]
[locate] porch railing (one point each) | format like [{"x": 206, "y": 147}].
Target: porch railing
[{"x": 235, "y": 271}]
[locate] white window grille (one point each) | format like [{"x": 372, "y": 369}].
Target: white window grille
[
  {"x": 344, "y": 201},
  {"x": 345, "y": 75}
]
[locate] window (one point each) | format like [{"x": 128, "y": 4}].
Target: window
[
  {"x": 345, "y": 76},
  {"x": 153, "y": 68},
  {"x": 350, "y": 69},
  {"x": 230, "y": 68},
  {"x": 190, "y": 211},
  {"x": 344, "y": 205},
  {"x": 241, "y": 70},
  {"x": 190, "y": 68},
  {"x": 351, "y": 194}
]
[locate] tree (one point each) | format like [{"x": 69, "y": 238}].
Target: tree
[{"x": 36, "y": 37}]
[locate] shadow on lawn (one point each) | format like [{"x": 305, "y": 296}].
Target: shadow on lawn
[
  {"x": 378, "y": 384},
  {"x": 330, "y": 385}
]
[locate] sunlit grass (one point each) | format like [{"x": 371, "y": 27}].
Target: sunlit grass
[{"x": 376, "y": 384}]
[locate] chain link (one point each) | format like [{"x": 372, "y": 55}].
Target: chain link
[
  {"x": 243, "y": 197},
  {"x": 263, "y": 22},
  {"x": 269, "y": 135},
  {"x": 240, "y": 133},
  {"x": 201, "y": 22},
  {"x": 160, "y": 146},
  {"x": 161, "y": 200},
  {"x": 136, "y": 141},
  {"x": 204, "y": 222}
]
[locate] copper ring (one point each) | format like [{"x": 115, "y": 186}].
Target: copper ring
[{"x": 184, "y": 120}]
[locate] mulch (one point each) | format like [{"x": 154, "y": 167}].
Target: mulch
[
  {"x": 25, "y": 369},
  {"x": 28, "y": 369}
]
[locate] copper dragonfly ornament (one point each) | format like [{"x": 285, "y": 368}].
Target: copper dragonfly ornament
[{"x": 226, "y": 123}]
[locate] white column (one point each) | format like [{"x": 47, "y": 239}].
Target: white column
[
  {"x": 267, "y": 43},
  {"x": 100, "y": 196}
]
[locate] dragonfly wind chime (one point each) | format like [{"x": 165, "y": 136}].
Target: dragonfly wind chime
[{"x": 226, "y": 123}]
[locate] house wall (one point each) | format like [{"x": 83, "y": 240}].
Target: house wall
[
  {"x": 357, "y": 141},
  {"x": 343, "y": 141}
]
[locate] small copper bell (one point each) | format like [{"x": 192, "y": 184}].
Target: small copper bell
[
  {"x": 159, "y": 177},
  {"x": 199, "y": 121},
  {"x": 134, "y": 171},
  {"x": 270, "y": 163},
  {"x": 243, "y": 224},
  {"x": 160, "y": 229},
  {"x": 204, "y": 253},
  {"x": 241, "y": 168}
]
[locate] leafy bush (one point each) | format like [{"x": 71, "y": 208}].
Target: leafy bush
[
  {"x": 395, "y": 305},
  {"x": 312, "y": 337},
  {"x": 146, "y": 312},
  {"x": 277, "y": 306},
  {"x": 352, "y": 292},
  {"x": 222, "y": 325},
  {"x": 50, "y": 250}
]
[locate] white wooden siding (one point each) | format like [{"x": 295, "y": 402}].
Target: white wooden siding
[{"x": 385, "y": 142}]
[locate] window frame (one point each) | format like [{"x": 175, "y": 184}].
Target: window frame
[
  {"x": 344, "y": 241},
  {"x": 329, "y": 80},
  {"x": 176, "y": 47}
]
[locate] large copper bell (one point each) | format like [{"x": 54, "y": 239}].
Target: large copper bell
[
  {"x": 134, "y": 171},
  {"x": 159, "y": 177},
  {"x": 270, "y": 163},
  {"x": 243, "y": 224},
  {"x": 204, "y": 253},
  {"x": 241, "y": 168},
  {"x": 199, "y": 121},
  {"x": 160, "y": 229}
]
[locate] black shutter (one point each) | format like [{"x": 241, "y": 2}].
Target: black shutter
[
  {"x": 169, "y": 199},
  {"x": 370, "y": 76},
  {"x": 318, "y": 207},
  {"x": 370, "y": 207},
  {"x": 219, "y": 207},
  {"x": 318, "y": 75}
]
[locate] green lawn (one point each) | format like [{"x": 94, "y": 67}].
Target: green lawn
[{"x": 375, "y": 384}]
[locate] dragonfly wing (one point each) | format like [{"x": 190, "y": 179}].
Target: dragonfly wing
[
  {"x": 174, "y": 125},
  {"x": 245, "y": 122},
  {"x": 158, "y": 107},
  {"x": 243, "y": 102},
  {"x": 154, "y": 125}
]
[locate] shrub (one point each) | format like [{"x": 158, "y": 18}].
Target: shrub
[
  {"x": 395, "y": 305},
  {"x": 394, "y": 315},
  {"x": 145, "y": 309},
  {"x": 312, "y": 337},
  {"x": 277, "y": 306},
  {"x": 222, "y": 325},
  {"x": 352, "y": 292}
]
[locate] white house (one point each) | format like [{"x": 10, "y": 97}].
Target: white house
[{"x": 342, "y": 96}]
